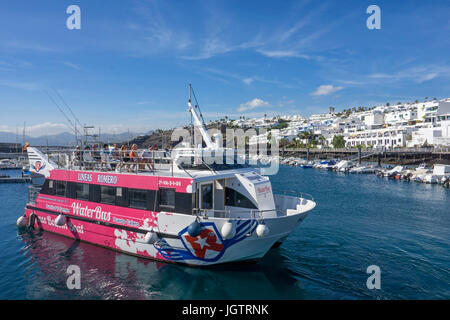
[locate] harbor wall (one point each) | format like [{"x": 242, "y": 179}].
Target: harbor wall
[{"x": 403, "y": 156}]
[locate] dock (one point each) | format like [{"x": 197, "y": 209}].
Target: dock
[
  {"x": 402, "y": 156},
  {"x": 15, "y": 180}
]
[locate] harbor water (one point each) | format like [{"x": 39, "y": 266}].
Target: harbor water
[{"x": 360, "y": 220}]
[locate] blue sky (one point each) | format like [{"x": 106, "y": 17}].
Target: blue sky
[{"x": 131, "y": 62}]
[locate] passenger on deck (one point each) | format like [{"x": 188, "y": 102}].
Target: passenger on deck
[
  {"x": 97, "y": 158},
  {"x": 124, "y": 157},
  {"x": 77, "y": 156},
  {"x": 115, "y": 156},
  {"x": 95, "y": 153},
  {"x": 87, "y": 158},
  {"x": 134, "y": 156},
  {"x": 115, "y": 152},
  {"x": 105, "y": 157},
  {"x": 147, "y": 158}
]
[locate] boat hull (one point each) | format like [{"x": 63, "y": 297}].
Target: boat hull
[{"x": 174, "y": 243}]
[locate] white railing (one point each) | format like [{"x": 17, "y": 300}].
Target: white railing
[{"x": 33, "y": 192}]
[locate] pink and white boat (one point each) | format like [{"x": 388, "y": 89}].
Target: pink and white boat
[{"x": 196, "y": 215}]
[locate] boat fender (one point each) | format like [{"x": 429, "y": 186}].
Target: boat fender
[
  {"x": 228, "y": 230},
  {"x": 60, "y": 220},
  {"x": 22, "y": 221},
  {"x": 151, "y": 237},
  {"x": 31, "y": 220},
  {"x": 194, "y": 229},
  {"x": 262, "y": 230}
]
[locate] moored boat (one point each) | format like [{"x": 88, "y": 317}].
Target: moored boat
[{"x": 184, "y": 210}]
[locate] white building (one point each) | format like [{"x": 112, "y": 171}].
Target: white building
[
  {"x": 374, "y": 119},
  {"x": 401, "y": 116},
  {"x": 386, "y": 137},
  {"x": 323, "y": 116}
]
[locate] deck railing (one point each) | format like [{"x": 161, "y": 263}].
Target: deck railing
[
  {"x": 251, "y": 213},
  {"x": 296, "y": 194},
  {"x": 98, "y": 161},
  {"x": 33, "y": 192}
]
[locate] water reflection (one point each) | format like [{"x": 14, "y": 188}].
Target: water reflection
[{"x": 106, "y": 274}]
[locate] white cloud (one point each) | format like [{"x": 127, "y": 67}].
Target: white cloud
[
  {"x": 255, "y": 103},
  {"x": 144, "y": 102},
  {"x": 418, "y": 74},
  {"x": 37, "y": 130},
  {"x": 16, "y": 45},
  {"x": 282, "y": 54},
  {"x": 30, "y": 86},
  {"x": 428, "y": 76},
  {"x": 71, "y": 65},
  {"x": 326, "y": 89},
  {"x": 157, "y": 29},
  {"x": 247, "y": 80}
]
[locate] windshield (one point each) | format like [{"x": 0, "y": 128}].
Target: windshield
[{"x": 217, "y": 164}]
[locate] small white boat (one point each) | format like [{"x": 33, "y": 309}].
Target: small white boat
[
  {"x": 418, "y": 177},
  {"x": 344, "y": 165},
  {"x": 431, "y": 178},
  {"x": 392, "y": 172},
  {"x": 6, "y": 164},
  {"x": 363, "y": 169},
  {"x": 440, "y": 171}
]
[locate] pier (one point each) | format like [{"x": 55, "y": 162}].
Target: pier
[
  {"x": 402, "y": 156},
  {"x": 15, "y": 180}
]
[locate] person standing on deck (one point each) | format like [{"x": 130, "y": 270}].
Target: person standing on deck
[
  {"x": 115, "y": 156},
  {"x": 105, "y": 155},
  {"x": 134, "y": 156}
]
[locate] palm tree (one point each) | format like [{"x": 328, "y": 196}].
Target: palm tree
[{"x": 321, "y": 139}]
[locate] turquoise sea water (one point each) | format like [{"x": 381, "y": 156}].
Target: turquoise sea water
[{"x": 360, "y": 220}]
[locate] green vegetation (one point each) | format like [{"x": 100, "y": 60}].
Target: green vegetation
[{"x": 338, "y": 141}]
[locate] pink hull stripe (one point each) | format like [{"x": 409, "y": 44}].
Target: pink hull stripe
[
  {"x": 98, "y": 211},
  {"x": 95, "y": 234}
]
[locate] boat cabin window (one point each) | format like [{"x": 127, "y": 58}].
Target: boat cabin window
[
  {"x": 60, "y": 188},
  {"x": 82, "y": 191},
  {"x": 207, "y": 196},
  {"x": 164, "y": 198},
  {"x": 167, "y": 197},
  {"x": 236, "y": 199},
  {"x": 107, "y": 195},
  {"x": 137, "y": 198},
  {"x": 47, "y": 188}
]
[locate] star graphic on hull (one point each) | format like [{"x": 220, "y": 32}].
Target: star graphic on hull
[
  {"x": 207, "y": 240},
  {"x": 202, "y": 242}
]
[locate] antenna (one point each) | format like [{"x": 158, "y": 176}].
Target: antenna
[
  {"x": 199, "y": 124},
  {"x": 67, "y": 106},
  {"x": 192, "y": 123},
  {"x": 23, "y": 135},
  {"x": 71, "y": 126},
  {"x": 17, "y": 140}
]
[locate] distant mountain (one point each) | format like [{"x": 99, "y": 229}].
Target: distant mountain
[{"x": 65, "y": 138}]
